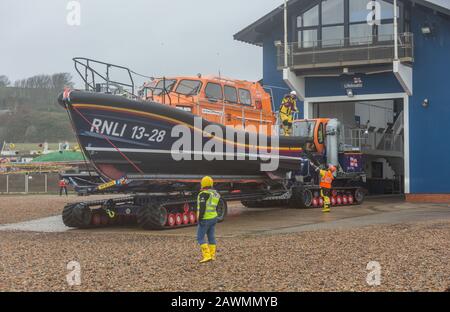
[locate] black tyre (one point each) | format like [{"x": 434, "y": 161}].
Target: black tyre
[
  {"x": 77, "y": 216},
  {"x": 301, "y": 198},
  {"x": 359, "y": 196},
  {"x": 222, "y": 210},
  {"x": 152, "y": 217}
]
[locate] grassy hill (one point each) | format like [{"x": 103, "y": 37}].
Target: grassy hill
[{"x": 32, "y": 115}]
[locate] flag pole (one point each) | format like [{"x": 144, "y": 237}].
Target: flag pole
[
  {"x": 395, "y": 31},
  {"x": 286, "y": 33}
]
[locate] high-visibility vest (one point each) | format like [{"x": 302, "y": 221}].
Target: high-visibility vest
[
  {"x": 211, "y": 204},
  {"x": 287, "y": 106},
  {"x": 326, "y": 179}
]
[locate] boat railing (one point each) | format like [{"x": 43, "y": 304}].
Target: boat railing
[
  {"x": 102, "y": 77},
  {"x": 91, "y": 72},
  {"x": 218, "y": 107},
  {"x": 262, "y": 119},
  {"x": 97, "y": 76}
]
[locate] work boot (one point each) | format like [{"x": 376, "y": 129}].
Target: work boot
[
  {"x": 206, "y": 253},
  {"x": 326, "y": 204},
  {"x": 212, "y": 251}
]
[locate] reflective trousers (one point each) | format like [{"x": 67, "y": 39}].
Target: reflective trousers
[{"x": 325, "y": 193}]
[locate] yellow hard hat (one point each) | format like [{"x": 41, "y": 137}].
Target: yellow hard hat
[{"x": 207, "y": 182}]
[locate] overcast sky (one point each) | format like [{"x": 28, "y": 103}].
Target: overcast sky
[{"x": 154, "y": 37}]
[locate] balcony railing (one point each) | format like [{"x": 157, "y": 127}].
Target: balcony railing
[
  {"x": 371, "y": 142},
  {"x": 347, "y": 52}
]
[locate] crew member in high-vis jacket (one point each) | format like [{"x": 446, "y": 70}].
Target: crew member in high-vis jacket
[
  {"x": 207, "y": 202},
  {"x": 287, "y": 109},
  {"x": 326, "y": 181}
]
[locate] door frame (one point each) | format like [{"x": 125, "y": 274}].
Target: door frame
[{"x": 308, "y": 108}]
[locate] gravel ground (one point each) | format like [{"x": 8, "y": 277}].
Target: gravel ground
[
  {"x": 413, "y": 257},
  {"x": 24, "y": 208}
]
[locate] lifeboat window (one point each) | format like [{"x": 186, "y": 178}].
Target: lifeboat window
[
  {"x": 167, "y": 84},
  {"x": 305, "y": 129},
  {"x": 230, "y": 94},
  {"x": 213, "y": 91},
  {"x": 245, "y": 97},
  {"x": 189, "y": 87},
  {"x": 320, "y": 135}
]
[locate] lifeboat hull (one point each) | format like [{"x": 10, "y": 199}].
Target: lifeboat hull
[{"x": 128, "y": 138}]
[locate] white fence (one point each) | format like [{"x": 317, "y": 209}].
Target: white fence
[{"x": 29, "y": 183}]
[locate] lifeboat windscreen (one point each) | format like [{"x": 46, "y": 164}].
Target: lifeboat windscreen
[
  {"x": 164, "y": 85},
  {"x": 189, "y": 87},
  {"x": 305, "y": 129}
]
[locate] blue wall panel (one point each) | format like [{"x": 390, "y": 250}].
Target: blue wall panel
[
  {"x": 430, "y": 128},
  {"x": 273, "y": 78}
]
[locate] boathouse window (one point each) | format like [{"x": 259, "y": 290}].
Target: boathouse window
[
  {"x": 245, "y": 97},
  {"x": 332, "y": 12},
  {"x": 310, "y": 17},
  {"x": 333, "y": 17},
  {"x": 336, "y": 23},
  {"x": 360, "y": 32},
  {"x": 189, "y": 87},
  {"x": 385, "y": 31},
  {"x": 358, "y": 11},
  {"x": 230, "y": 94},
  {"x": 213, "y": 91},
  {"x": 333, "y": 36},
  {"x": 307, "y": 24}
]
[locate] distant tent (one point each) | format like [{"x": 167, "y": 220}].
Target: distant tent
[{"x": 63, "y": 156}]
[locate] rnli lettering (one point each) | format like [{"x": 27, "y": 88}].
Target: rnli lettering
[
  {"x": 117, "y": 129},
  {"x": 110, "y": 128}
]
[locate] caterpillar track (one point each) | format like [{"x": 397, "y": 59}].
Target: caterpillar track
[
  {"x": 302, "y": 198},
  {"x": 147, "y": 211},
  {"x": 162, "y": 212}
]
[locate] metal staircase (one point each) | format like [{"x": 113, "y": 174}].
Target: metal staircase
[
  {"x": 393, "y": 136},
  {"x": 388, "y": 143}
]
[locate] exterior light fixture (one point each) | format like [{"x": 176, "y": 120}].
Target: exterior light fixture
[
  {"x": 278, "y": 43},
  {"x": 366, "y": 132},
  {"x": 426, "y": 30},
  {"x": 350, "y": 93},
  {"x": 425, "y": 103}
]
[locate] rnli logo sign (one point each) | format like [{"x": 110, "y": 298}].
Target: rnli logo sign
[
  {"x": 354, "y": 162},
  {"x": 355, "y": 83}
]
